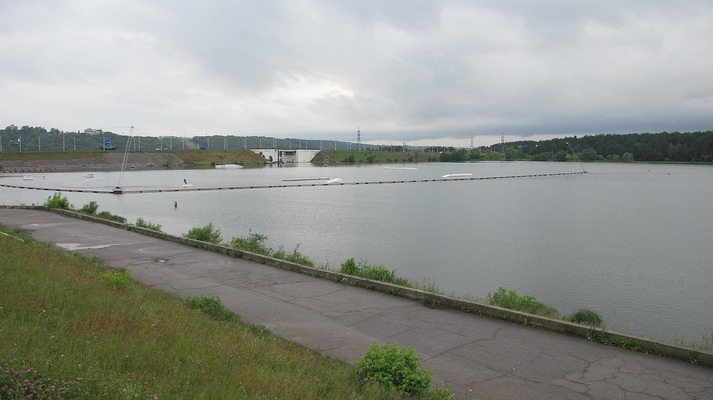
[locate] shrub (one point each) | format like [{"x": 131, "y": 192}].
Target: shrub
[
  {"x": 141, "y": 223},
  {"x": 57, "y": 201},
  {"x": 212, "y": 307},
  {"x": 90, "y": 208},
  {"x": 254, "y": 243},
  {"x": 207, "y": 233},
  {"x": 394, "y": 368},
  {"x": 509, "y": 298},
  {"x": 585, "y": 317},
  {"x": 120, "y": 279}
]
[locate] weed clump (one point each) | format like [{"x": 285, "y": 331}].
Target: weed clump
[
  {"x": 141, "y": 223},
  {"x": 254, "y": 243},
  {"x": 509, "y": 298},
  {"x": 208, "y": 233},
  {"x": 58, "y": 201},
  {"x": 373, "y": 272},
  {"x": 394, "y": 368},
  {"x": 585, "y": 317},
  {"x": 90, "y": 208},
  {"x": 111, "y": 217},
  {"x": 212, "y": 307},
  {"x": 119, "y": 279},
  {"x": 295, "y": 256}
]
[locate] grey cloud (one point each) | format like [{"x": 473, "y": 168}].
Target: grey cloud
[{"x": 402, "y": 68}]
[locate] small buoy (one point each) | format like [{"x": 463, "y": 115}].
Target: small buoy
[{"x": 175, "y": 204}]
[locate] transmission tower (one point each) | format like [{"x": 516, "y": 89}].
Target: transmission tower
[
  {"x": 502, "y": 144},
  {"x": 358, "y": 139}
]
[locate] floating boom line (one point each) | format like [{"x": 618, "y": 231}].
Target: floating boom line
[{"x": 333, "y": 182}]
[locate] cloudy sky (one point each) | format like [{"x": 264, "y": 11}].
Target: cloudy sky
[{"x": 418, "y": 71}]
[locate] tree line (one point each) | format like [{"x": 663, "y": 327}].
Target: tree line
[
  {"x": 664, "y": 146},
  {"x": 29, "y": 138}
]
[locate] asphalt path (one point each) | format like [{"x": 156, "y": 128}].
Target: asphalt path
[{"x": 478, "y": 357}]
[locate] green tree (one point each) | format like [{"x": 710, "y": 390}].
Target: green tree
[
  {"x": 560, "y": 156},
  {"x": 588, "y": 154}
]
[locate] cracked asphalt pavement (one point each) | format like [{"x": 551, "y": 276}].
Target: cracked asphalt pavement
[{"x": 477, "y": 356}]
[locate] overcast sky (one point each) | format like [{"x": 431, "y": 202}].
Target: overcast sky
[{"x": 400, "y": 70}]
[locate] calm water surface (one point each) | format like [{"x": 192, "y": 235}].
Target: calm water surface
[{"x": 631, "y": 241}]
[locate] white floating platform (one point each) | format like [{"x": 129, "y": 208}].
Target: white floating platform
[
  {"x": 316, "y": 178},
  {"x": 228, "y": 166}
]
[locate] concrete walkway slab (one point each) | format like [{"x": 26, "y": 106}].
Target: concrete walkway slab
[{"x": 477, "y": 356}]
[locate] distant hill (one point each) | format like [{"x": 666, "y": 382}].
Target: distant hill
[{"x": 664, "y": 146}]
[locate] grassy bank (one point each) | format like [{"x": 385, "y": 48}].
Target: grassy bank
[
  {"x": 193, "y": 158},
  {"x": 209, "y": 158},
  {"x": 372, "y": 157},
  {"x": 63, "y": 326}
]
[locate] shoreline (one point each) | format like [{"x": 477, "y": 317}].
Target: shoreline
[{"x": 603, "y": 336}]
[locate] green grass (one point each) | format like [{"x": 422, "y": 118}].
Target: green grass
[{"x": 59, "y": 319}]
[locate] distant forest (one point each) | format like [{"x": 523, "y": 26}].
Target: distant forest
[
  {"x": 28, "y": 138},
  {"x": 665, "y": 146}
]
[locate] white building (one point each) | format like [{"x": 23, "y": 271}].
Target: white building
[{"x": 291, "y": 156}]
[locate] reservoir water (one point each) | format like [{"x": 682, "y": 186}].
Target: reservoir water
[{"x": 633, "y": 242}]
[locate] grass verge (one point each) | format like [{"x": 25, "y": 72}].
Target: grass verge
[{"x": 63, "y": 326}]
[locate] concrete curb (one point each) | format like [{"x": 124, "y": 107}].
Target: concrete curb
[{"x": 629, "y": 342}]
